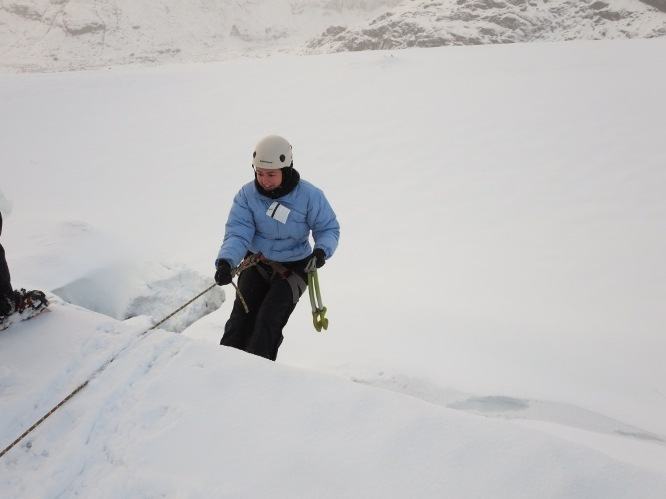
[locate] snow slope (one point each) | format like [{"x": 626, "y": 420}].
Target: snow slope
[
  {"x": 501, "y": 263},
  {"x": 172, "y": 417}
]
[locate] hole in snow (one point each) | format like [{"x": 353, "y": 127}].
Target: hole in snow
[{"x": 125, "y": 290}]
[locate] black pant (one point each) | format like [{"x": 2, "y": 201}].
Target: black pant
[
  {"x": 6, "y": 289},
  {"x": 271, "y": 302}
]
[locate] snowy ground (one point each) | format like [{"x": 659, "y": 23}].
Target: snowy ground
[{"x": 501, "y": 265}]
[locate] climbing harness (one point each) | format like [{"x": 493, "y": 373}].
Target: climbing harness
[
  {"x": 297, "y": 284},
  {"x": 318, "y": 309},
  {"x": 293, "y": 279},
  {"x": 248, "y": 262}
]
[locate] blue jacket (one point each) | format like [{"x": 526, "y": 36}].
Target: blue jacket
[{"x": 279, "y": 228}]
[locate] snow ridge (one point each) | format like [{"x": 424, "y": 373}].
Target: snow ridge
[
  {"x": 58, "y": 35},
  {"x": 454, "y": 22}
]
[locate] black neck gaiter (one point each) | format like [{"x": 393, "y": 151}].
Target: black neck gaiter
[{"x": 290, "y": 178}]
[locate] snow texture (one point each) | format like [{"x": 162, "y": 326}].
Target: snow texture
[
  {"x": 496, "y": 302},
  {"x": 451, "y": 22},
  {"x": 173, "y": 417},
  {"x": 127, "y": 290},
  {"x": 59, "y": 35}
]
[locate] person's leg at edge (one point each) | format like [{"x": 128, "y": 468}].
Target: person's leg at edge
[{"x": 6, "y": 290}]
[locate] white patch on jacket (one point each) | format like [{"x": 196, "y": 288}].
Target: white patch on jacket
[{"x": 278, "y": 212}]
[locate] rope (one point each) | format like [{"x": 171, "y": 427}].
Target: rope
[
  {"x": 245, "y": 264},
  {"x": 43, "y": 418},
  {"x": 248, "y": 262},
  {"x": 103, "y": 367},
  {"x": 181, "y": 308}
]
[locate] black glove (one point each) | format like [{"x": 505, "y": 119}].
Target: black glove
[
  {"x": 223, "y": 273},
  {"x": 319, "y": 257}
]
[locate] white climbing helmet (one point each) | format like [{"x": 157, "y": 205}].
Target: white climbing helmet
[{"x": 272, "y": 153}]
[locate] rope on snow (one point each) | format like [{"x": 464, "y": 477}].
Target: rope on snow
[
  {"x": 248, "y": 262},
  {"x": 99, "y": 371}
]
